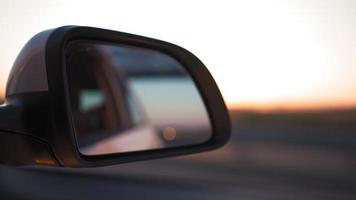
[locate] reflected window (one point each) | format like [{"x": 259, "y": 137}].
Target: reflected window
[{"x": 126, "y": 98}]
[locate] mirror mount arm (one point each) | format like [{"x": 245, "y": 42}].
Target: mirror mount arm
[
  {"x": 10, "y": 116},
  {"x": 18, "y": 146},
  {"x": 27, "y": 114},
  {"x": 22, "y": 134}
]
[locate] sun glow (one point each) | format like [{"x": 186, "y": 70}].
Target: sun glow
[{"x": 263, "y": 54}]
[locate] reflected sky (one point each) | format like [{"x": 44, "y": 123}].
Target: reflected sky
[{"x": 171, "y": 101}]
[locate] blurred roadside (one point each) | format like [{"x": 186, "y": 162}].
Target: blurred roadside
[
  {"x": 277, "y": 155},
  {"x": 271, "y": 155},
  {"x": 301, "y": 140}
]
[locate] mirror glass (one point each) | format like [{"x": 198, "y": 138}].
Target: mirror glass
[{"x": 126, "y": 98}]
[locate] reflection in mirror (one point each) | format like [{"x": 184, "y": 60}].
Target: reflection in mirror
[{"x": 125, "y": 99}]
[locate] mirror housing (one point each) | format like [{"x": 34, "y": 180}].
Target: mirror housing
[{"x": 36, "y": 119}]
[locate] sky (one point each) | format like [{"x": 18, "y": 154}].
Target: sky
[{"x": 263, "y": 54}]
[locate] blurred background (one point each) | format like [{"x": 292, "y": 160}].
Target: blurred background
[{"x": 287, "y": 71}]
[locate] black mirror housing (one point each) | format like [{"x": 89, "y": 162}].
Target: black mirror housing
[{"x": 37, "y": 118}]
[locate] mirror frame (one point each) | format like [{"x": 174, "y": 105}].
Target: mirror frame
[{"x": 62, "y": 139}]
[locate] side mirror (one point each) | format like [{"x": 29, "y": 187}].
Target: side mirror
[{"x": 85, "y": 97}]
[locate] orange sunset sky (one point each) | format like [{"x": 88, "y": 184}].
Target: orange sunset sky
[{"x": 264, "y": 54}]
